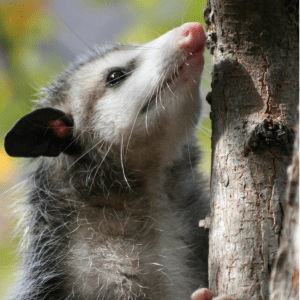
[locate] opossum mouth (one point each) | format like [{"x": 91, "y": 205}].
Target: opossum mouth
[{"x": 163, "y": 86}]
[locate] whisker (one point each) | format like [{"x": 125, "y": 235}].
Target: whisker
[
  {"x": 100, "y": 166},
  {"x": 187, "y": 140},
  {"x": 122, "y": 163}
]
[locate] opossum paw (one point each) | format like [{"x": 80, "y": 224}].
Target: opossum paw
[
  {"x": 202, "y": 294},
  {"x": 206, "y": 294}
]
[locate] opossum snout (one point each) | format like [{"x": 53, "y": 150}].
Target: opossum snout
[
  {"x": 189, "y": 40},
  {"x": 191, "y": 37}
]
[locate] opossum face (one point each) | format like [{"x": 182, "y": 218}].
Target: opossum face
[{"x": 137, "y": 94}]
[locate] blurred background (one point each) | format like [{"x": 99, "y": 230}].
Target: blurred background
[{"x": 37, "y": 40}]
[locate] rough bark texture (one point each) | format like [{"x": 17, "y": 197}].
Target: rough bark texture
[
  {"x": 254, "y": 109},
  {"x": 284, "y": 284}
]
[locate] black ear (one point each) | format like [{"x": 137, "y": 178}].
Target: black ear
[{"x": 43, "y": 132}]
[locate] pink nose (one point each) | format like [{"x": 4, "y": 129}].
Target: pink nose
[{"x": 192, "y": 37}]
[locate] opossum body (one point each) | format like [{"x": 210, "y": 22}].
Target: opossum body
[{"x": 114, "y": 202}]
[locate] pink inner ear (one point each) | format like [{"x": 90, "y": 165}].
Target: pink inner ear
[{"x": 59, "y": 127}]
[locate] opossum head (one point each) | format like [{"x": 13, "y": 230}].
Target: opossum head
[{"x": 142, "y": 98}]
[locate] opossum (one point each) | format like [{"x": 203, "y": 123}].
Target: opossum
[{"x": 115, "y": 198}]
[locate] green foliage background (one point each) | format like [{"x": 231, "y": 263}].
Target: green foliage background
[{"x": 24, "y": 25}]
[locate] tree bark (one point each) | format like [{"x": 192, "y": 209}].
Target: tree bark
[
  {"x": 284, "y": 284},
  {"x": 254, "y": 109}
]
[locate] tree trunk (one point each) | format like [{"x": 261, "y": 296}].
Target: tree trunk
[
  {"x": 254, "y": 109},
  {"x": 284, "y": 283}
]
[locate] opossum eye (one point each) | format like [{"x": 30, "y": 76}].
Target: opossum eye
[
  {"x": 43, "y": 132},
  {"x": 115, "y": 77}
]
